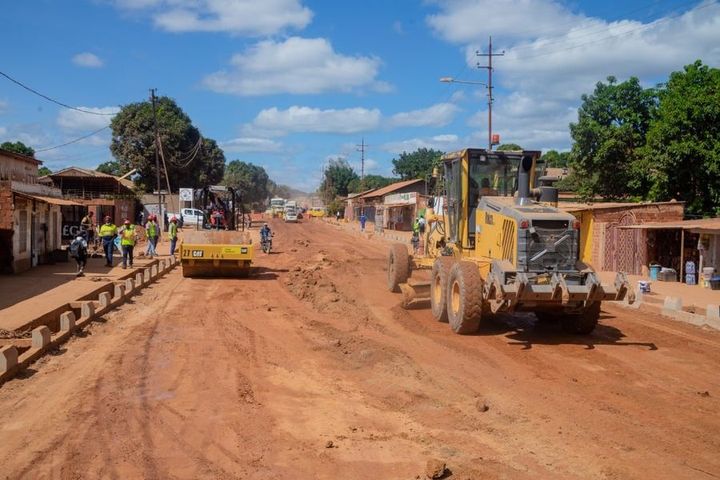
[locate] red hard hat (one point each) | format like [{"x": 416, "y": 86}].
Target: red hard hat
[
  {"x": 126, "y": 222},
  {"x": 173, "y": 219},
  {"x": 107, "y": 218}
]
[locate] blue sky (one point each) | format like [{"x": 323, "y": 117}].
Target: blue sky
[{"x": 288, "y": 84}]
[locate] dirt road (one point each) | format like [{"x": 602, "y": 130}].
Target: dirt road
[{"x": 310, "y": 370}]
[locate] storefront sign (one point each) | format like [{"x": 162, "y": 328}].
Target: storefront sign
[
  {"x": 401, "y": 199},
  {"x": 70, "y": 230}
]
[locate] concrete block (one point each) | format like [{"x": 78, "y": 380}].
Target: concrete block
[
  {"x": 139, "y": 279},
  {"x": 146, "y": 273},
  {"x": 67, "y": 321},
  {"x": 672, "y": 303},
  {"x": 162, "y": 266},
  {"x": 713, "y": 316},
  {"x": 87, "y": 309},
  {"x": 119, "y": 292},
  {"x": 153, "y": 271},
  {"x": 105, "y": 298},
  {"x": 8, "y": 358},
  {"x": 172, "y": 260},
  {"x": 129, "y": 285},
  {"x": 40, "y": 337}
]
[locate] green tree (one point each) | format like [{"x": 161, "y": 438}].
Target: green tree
[
  {"x": 509, "y": 146},
  {"x": 555, "y": 159},
  {"x": 610, "y": 131},
  {"x": 111, "y": 167},
  {"x": 18, "y": 147},
  {"x": 42, "y": 171},
  {"x": 250, "y": 181},
  {"x": 336, "y": 179},
  {"x": 682, "y": 154},
  {"x": 370, "y": 182},
  {"x": 192, "y": 161},
  {"x": 417, "y": 164}
]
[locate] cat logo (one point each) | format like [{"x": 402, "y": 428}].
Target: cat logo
[{"x": 489, "y": 219}]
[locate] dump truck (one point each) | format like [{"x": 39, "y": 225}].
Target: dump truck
[
  {"x": 495, "y": 244},
  {"x": 223, "y": 251}
]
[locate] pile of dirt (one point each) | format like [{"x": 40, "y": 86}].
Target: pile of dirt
[{"x": 307, "y": 282}]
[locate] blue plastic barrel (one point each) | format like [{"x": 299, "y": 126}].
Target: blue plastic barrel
[{"x": 654, "y": 270}]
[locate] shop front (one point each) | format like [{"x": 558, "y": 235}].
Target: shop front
[{"x": 400, "y": 210}]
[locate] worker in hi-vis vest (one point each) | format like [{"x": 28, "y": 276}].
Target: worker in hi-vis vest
[
  {"x": 128, "y": 236},
  {"x": 108, "y": 232},
  {"x": 172, "y": 233}
]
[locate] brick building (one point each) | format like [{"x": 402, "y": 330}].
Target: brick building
[
  {"x": 396, "y": 205},
  {"x": 30, "y": 221},
  {"x": 606, "y": 243}
]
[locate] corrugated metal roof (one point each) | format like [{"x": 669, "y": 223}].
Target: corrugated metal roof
[
  {"x": 705, "y": 224},
  {"x": 577, "y": 206},
  {"x": 380, "y": 192}
]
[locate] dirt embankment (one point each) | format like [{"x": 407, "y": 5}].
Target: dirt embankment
[{"x": 310, "y": 369}]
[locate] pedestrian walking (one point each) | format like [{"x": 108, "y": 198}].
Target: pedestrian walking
[
  {"x": 128, "y": 237},
  {"x": 172, "y": 234},
  {"x": 153, "y": 232},
  {"x": 337, "y": 216},
  {"x": 363, "y": 219},
  {"x": 87, "y": 224},
  {"x": 108, "y": 232},
  {"x": 79, "y": 250}
]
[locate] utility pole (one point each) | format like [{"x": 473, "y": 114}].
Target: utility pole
[
  {"x": 361, "y": 149},
  {"x": 489, "y": 68},
  {"x": 157, "y": 156}
]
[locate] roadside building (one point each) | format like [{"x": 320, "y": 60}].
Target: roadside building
[
  {"x": 354, "y": 203},
  {"x": 395, "y": 206},
  {"x": 30, "y": 215},
  {"x": 606, "y": 243},
  {"x": 90, "y": 190},
  {"x": 671, "y": 244}
]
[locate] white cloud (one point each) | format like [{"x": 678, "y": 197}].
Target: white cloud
[
  {"x": 243, "y": 17},
  {"x": 87, "y": 59},
  {"x": 438, "y": 142},
  {"x": 437, "y": 115},
  {"x": 251, "y": 144},
  {"x": 3, "y": 106},
  {"x": 556, "y": 56},
  {"x": 296, "y": 119},
  {"x": 297, "y": 66},
  {"x": 75, "y": 121}
]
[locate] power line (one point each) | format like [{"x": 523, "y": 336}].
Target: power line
[
  {"x": 489, "y": 68},
  {"x": 73, "y": 141},
  {"x": 52, "y": 99}
]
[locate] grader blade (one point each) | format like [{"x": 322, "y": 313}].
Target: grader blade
[{"x": 414, "y": 294}]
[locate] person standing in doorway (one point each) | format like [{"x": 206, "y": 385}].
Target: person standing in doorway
[
  {"x": 128, "y": 236},
  {"x": 108, "y": 232},
  {"x": 87, "y": 224},
  {"x": 172, "y": 234},
  {"x": 363, "y": 219},
  {"x": 152, "y": 231}
]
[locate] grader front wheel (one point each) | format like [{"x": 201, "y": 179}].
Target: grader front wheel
[
  {"x": 583, "y": 323},
  {"x": 464, "y": 298},
  {"x": 398, "y": 267},
  {"x": 438, "y": 287}
]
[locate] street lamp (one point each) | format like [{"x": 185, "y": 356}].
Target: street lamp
[{"x": 490, "y": 102}]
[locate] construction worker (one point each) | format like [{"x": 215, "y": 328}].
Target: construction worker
[
  {"x": 172, "y": 234},
  {"x": 152, "y": 231},
  {"x": 415, "y": 240},
  {"x": 108, "y": 232},
  {"x": 128, "y": 236}
]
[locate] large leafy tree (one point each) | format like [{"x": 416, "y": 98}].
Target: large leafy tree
[
  {"x": 610, "y": 131},
  {"x": 250, "y": 181},
  {"x": 192, "y": 161},
  {"x": 682, "y": 154},
  {"x": 553, "y": 158},
  {"x": 336, "y": 179},
  {"x": 370, "y": 182},
  {"x": 42, "y": 171},
  {"x": 417, "y": 164},
  {"x": 509, "y": 146},
  {"x": 111, "y": 167},
  {"x": 18, "y": 147}
]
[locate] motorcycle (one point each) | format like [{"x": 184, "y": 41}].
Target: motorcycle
[{"x": 266, "y": 243}]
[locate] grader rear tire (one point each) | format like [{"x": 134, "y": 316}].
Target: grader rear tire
[
  {"x": 438, "y": 287},
  {"x": 464, "y": 298},
  {"x": 398, "y": 266},
  {"x": 583, "y": 323}
]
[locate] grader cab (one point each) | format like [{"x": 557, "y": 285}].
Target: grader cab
[{"x": 494, "y": 244}]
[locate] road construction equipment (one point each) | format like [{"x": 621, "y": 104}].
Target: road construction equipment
[
  {"x": 223, "y": 250},
  {"x": 494, "y": 244}
]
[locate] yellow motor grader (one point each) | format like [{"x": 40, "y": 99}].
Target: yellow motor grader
[{"x": 494, "y": 244}]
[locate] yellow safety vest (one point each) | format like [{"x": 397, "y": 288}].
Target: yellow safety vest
[
  {"x": 172, "y": 230},
  {"x": 128, "y": 236},
  {"x": 108, "y": 230},
  {"x": 152, "y": 229}
]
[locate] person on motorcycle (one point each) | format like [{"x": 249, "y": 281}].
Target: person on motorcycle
[{"x": 265, "y": 232}]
